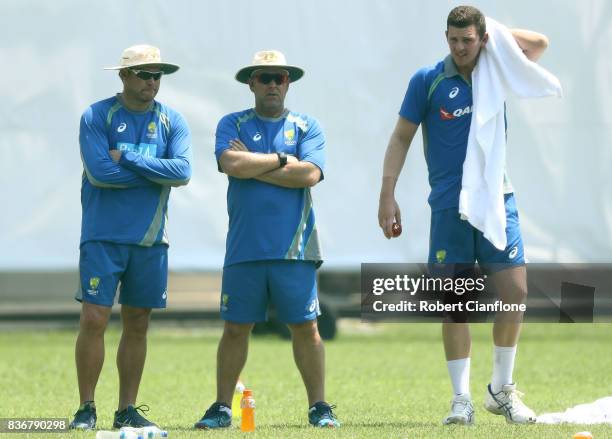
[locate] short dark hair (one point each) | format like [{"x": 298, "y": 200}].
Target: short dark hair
[{"x": 464, "y": 16}]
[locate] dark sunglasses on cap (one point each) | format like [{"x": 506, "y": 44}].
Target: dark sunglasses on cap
[
  {"x": 146, "y": 75},
  {"x": 266, "y": 78}
]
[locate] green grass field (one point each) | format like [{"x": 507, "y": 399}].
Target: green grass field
[{"x": 387, "y": 380}]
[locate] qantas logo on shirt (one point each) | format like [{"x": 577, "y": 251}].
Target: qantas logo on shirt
[{"x": 445, "y": 115}]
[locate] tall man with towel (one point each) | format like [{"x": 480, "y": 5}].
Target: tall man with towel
[{"x": 442, "y": 99}]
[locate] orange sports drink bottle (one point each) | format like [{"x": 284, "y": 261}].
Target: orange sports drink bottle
[{"x": 247, "y": 405}]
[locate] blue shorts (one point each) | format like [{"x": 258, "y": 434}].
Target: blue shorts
[
  {"x": 142, "y": 271},
  {"x": 291, "y": 286},
  {"x": 455, "y": 241}
]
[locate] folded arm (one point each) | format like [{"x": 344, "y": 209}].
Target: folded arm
[
  {"x": 245, "y": 164},
  {"x": 175, "y": 170},
  {"x": 101, "y": 170},
  {"x": 533, "y": 44},
  {"x": 170, "y": 172},
  {"x": 239, "y": 162},
  {"x": 295, "y": 174}
]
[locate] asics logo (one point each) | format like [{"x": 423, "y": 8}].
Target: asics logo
[
  {"x": 312, "y": 306},
  {"x": 257, "y": 137},
  {"x": 513, "y": 253},
  {"x": 121, "y": 128},
  {"x": 454, "y": 92},
  {"x": 445, "y": 115}
]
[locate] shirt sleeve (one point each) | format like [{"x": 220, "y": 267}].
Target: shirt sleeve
[
  {"x": 100, "y": 169},
  {"x": 175, "y": 170},
  {"x": 414, "y": 106},
  {"x": 226, "y": 131},
  {"x": 311, "y": 148}
]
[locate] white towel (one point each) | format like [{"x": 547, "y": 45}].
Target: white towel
[
  {"x": 502, "y": 70},
  {"x": 598, "y": 412}
]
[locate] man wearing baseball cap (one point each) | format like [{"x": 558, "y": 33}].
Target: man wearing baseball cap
[
  {"x": 272, "y": 157},
  {"x": 134, "y": 149}
]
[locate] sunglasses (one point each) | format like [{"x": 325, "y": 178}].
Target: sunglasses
[
  {"x": 266, "y": 78},
  {"x": 145, "y": 75}
]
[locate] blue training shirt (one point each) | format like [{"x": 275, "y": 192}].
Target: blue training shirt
[
  {"x": 267, "y": 221},
  {"x": 127, "y": 202},
  {"x": 441, "y": 100}
]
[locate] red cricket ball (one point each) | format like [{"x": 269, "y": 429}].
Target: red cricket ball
[{"x": 396, "y": 230}]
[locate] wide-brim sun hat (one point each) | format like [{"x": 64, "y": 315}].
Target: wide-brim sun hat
[
  {"x": 268, "y": 59},
  {"x": 143, "y": 55}
]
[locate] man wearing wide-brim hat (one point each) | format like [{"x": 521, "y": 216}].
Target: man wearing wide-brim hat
[
  {"x": 134, "y": 149},
  {"x": 272, "y": 157}
]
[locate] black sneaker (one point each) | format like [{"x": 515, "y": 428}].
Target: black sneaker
[
  {"x": 321, "y": 415},
  {"x": 85, "y": 417},
  {"x": 131, "y": 418},
  {"x": 217, "y": 416}
]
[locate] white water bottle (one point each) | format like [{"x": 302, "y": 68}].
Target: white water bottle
[
  {"x": 133, "y": 433},
  {"x": 130, "y": 433},
  {"x": 122, "y": 434},
  {"x": 153, "y": 433}
]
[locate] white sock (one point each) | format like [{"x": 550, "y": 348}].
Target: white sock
[
  {"x": 503, "y": 365},
  {"x": 459, "y": 371}
]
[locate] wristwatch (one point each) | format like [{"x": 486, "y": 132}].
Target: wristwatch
[{"x": 282, "y": 159}]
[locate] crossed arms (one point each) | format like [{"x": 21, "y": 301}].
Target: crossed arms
[
  {"x": 174, "y": 171},
  {"x": 116, "y": 170},
  {"x": 239, "y": 162}
]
